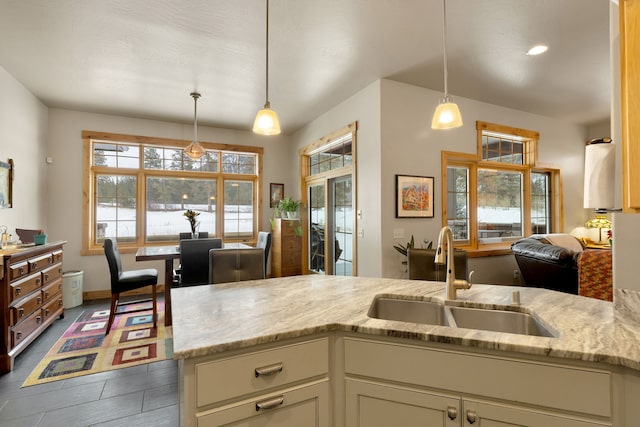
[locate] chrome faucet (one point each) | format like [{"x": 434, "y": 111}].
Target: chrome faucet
[{"x": 446, "y": 238}]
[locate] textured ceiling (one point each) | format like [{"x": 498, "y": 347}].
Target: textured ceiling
[{"x": 143, "y": 58}]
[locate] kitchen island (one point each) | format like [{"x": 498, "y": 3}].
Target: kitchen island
[{"x": 314, "y": 356}]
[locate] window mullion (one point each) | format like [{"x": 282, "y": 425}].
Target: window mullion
[
  {"x": 526, "y": 201},
  {"x": 473, "y": 205}
]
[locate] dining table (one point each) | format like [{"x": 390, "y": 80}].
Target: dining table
[{"x": 168, "y": 254}]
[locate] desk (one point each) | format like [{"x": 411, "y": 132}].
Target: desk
[{"x": 168, "y": 254}]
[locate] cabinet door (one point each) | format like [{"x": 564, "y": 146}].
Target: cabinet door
[
  {"x": 306, "y": 405},
  {"x": 488, "y": 414},
  {"x": 372, "y": 404}
]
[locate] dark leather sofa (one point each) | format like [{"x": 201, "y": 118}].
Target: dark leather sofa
[{"x": 545, "y": 265}]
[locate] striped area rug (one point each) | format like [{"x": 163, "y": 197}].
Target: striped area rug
[{"x": 84, "y": 349}]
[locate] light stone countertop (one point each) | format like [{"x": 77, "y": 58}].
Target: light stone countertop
[{"x": 215, "y": 318}]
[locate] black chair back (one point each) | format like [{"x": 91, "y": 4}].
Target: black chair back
[
  {"x": 194, "y": 260},
  {"x": 264, "y": 242},
  {"x": 113, "y": 259},
  {"x": 421, "y": 265},
  {"x": 187, "y": 236},
  {"x": 236, "y": 265}
]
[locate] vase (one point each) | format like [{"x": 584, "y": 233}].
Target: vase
[
  {"x": 194, "y": 234},
  {"x": 292, "y": 215}
]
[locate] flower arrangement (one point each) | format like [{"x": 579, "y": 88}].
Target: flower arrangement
[
  {"x": 191, "y": 217},
  {"x": 610, "y": 236}
]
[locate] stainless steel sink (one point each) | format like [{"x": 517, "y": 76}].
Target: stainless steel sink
[
  {"x": 512, "y": 322},
  {"x": 434, "y": 313},
  {"x": 413, "y": 311}
]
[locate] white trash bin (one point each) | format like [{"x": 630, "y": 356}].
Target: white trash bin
[{"x": 72, "y": 288}]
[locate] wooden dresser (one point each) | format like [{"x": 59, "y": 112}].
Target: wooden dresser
[
  {"x": 31, "y": 298},
  {"x": 286, "y": 248}
]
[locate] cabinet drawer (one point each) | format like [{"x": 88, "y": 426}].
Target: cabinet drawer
[
  {"x": 24, "y": 328},
  {"x": 576, "y": 389},
  {"x": 49, "y": 291},
  {"x": 306, "y": 405},
  {"x": 52, "y": 307},
  {"x": 236, "y": 376},
  {"x": 18, "y": 270},
  {"x": 25, "y": 286},
  {"x": 51, "y": 274},
  {"x": 37, "y": 264},
  {"x": 24, "y": 307}
]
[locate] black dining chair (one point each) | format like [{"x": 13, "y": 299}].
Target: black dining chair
[
  {"x": 123, "y": 281},
  {"x": 236, "y": 265},
  {"x": 264, "y": 242},
  {"x": 194, "y": 260}
]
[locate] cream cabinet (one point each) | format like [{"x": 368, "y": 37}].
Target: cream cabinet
[
  {"x": 286, "y": 385},
  {"x": 386, "y": 379}
]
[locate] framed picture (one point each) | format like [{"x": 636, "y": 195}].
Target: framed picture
[
  {"x": 414, "y": 196},
  {"x": 6, "y": 181},
  {"x": 276, "y": 194}
]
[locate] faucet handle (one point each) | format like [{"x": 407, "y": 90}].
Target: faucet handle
[{"x": 470, "y": 276}]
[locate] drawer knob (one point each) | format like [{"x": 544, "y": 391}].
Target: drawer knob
[
  {"x": 18, "y": 291},
  {"x": 38, "y": 320},
  {"x": 46, "y": 277},
  {"x": 270, "y": 403},
  {"x": 269, "y": 370},
  {"x": 38, "y": 281},
  {"x": 20, "y": 312},
  {"x": 39, "y": 300},
  {"x": 472, "y": 417},
  {"x": 452, "y": 412},
  {"x": 19, "y": 335}
]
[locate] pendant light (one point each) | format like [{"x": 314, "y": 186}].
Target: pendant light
[
  {"x": 194, "y": 150},
  {"x": 447, "y": 114},
  {"x": 266, "y": 122}
]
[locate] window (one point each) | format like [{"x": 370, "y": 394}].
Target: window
[
  {"x": 499, "y": 194},
  {"x": 137, "y": 189}
]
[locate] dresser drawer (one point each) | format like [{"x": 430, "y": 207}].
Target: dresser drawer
[
  {"x": 57, "y": 256},
  {"x": 52, "y": 307},
  {"x": 18, "y": 270},
  {"x": 25, "y": 286},
  {"x": 39, "y": 263},
  {"x": 236, "y": 376},
  {"x": 24, "y": 328},
  {"x": 24, "y": 307},
  {"x": 51, "y": 274},
  {"x": 49, "y": 291}
]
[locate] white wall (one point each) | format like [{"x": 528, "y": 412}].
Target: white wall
[
  {"x": 362, "y": 107},
  {"x": 23, "y": 132},
  {"x": 410, "y": 146},
  {"x": 65, "y": 179}
]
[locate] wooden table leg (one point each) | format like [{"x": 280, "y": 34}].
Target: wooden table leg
[{"x": 168, "y": 281}]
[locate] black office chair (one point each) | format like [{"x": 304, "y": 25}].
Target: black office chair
[
  {"x": 194, "y": 260},
  {"x": 123, "y": 281},
  {"x": 264, "y": 242},
  {"x": 236, "y": 265},
  {"x": 186, "y": 236}
]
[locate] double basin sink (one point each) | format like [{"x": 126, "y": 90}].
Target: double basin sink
[{"x": 435, "y": 313}]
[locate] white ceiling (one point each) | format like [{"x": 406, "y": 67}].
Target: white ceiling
[{"x": 142, "y": 58}]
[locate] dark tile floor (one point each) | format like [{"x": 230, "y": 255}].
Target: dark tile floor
[{"x": 144, "y": 395}]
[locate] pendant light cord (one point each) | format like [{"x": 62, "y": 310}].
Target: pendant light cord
[
  {"x": 195, "y": 96},
  {"x": 267, "y": 57},
  {"x": 444, "y": 44}
]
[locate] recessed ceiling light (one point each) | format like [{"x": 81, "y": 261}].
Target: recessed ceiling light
[{"x": 537, "y": 50}]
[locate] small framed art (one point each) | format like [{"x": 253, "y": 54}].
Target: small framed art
[
  {"x": 414, "y": 196},
  {"x": 6, "y": 187},
  {"x": 276, "y": 193}
]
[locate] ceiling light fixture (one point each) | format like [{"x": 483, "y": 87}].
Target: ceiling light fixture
[
  {"x": 447, "y": 114},
  {"x": 266, "y": 122},
  {"x": 537, "y": 50},
  {"x": 194, "y": 150}
]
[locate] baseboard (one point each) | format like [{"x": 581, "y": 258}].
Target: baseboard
[{"x": 106, "y": 294}]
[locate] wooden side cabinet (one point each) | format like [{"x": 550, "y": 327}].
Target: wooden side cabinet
[
  {"x": 31, "y": 296},
  {"x": 286, "y": 248}
]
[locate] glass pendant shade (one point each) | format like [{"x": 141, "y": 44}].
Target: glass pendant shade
[
  {"x": 266, "y": 122},
  {"x": 194, "y": 150},
  {"x": 447, "y": 115}
]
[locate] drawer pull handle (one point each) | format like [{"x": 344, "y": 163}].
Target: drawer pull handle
[
  {"x": 59, "y": 303},
  {"x": 19, "y": 335},
  {"x": 46, "y": 277},
  {"x": 452, "y": 412},
  {"x": 46, "y": 295},
  {"x": 270, "y": 403},
  {"x": 269, "y": 370},
  {"x": 21, "y": 270},
  {"x": 38, "y": 281},
  {"x": 39, "y": 300},
  {"x": 20, "y": 312},
  {"x": 38, "y": 320},
  {"x": 46, "y": 314},
  {"x": 472, "y": 417},
  {"x": 18, "y": 291}
]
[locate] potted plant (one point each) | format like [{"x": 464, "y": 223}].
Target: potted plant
[{"x": 289, "y": 207}]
